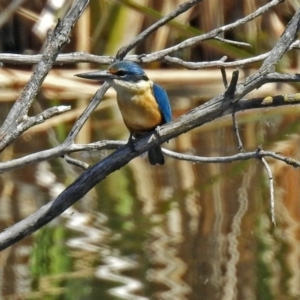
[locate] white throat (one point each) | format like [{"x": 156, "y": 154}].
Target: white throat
[{"x": 122, "y": 86}]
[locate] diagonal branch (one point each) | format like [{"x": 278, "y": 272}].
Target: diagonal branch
[
  {"x": 143, "y": 35},
  {"x": 210, "y": 35},
  {"x": 86, "y": 114}
]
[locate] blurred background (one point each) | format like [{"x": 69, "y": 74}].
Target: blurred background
[{"x": 179, "y": 231}]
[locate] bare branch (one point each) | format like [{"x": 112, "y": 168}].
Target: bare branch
[
  {"x": 237, "y": 133},
  {"x": 68, "y": 58},
  {"x": 240, "y": 44},
  {"x": 210, "y": 35},
  {"x": 28, "y": 122},
  {"x": 223, "y": 72},
  {"x": 77, "y": 57},
  {"x": 58, "y": 151},
  {"x": 272, "y": 200},
  {"x": 283, "y": 44},
  {"x": 75, "y": 162},
  {"x": 69, "y": 147},
  {"x": 232, "y": 86},
  {"x": 269, "y": 101},
  {"x": 143, "y": 35},
  {"x": 257, "y": 154},
  {"x": 212, "y": 64},
  {"x": 87, "y": 112}
]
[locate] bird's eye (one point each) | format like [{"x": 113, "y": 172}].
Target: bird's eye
[{"x": 121, "y": 73}]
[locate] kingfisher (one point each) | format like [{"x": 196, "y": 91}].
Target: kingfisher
[{"x": 144, "y": 104}]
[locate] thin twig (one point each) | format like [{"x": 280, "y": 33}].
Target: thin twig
[
  {"x": 258, "y": 154},
  {"x": 86, "y": 114},
  {"x": 235, "y": 124},
  {"x": 237, "y": 133},
  {"x": 75, "y": 162},
  {"x": 241, "y": 44},
  {"x": 29, "y": 122},
  {"x": 229, "y": 93},
  {"x": 210, "y": 35},
  {"x": 223, "y": 72},
  {"x": 58, "y": 151},
  {"x": 271, "y": 183},
  {"x": 143, "y": 35}
]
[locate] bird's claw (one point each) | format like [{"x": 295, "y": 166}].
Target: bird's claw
[
  {"x": 156, "y": 134},
  {"x": 157, "y": 130},
  {"x": 131, "y": 143}
]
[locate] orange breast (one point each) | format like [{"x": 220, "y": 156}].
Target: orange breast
[{"x": 140, "y": 111}]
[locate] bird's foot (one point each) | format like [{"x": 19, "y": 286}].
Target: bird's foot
[
  {"x": 156, "y": 134},
  {"x": 157, "y": 130},
  {"x": 131, "y": 143}
]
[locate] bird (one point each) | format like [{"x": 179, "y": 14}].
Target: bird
[{"x": 144, "y": 104}]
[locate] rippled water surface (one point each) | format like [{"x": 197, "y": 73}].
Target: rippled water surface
[{"x": 181, "y": 231}]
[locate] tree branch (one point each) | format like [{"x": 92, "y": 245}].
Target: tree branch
[
  {"x": 210, "y": 35},
  {"x": 142, "y": 36},
  {"x": 271, "y": 183},
  {"x": 69, "y": 147},
  {"x": 58, "y": 38}
]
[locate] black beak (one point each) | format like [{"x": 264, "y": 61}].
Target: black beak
[{"x": 96, "y": 75}]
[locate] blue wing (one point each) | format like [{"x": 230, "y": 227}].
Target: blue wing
[{"x": 163, "y": 102}]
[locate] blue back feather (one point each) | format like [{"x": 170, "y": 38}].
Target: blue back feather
[{"x": 163, "y": 102}]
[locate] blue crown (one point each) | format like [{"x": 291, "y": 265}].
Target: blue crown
[{"x": 129, "y": 67}]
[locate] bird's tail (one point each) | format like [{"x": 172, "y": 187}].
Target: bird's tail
[{"x": 155, "y": 156}]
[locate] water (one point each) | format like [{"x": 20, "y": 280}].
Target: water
[{"x": 181, "y": 231}]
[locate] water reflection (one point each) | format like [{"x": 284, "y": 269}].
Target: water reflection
[
  {"x": 181, "y": 231},
  {"x": 112, "y": 269}
]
